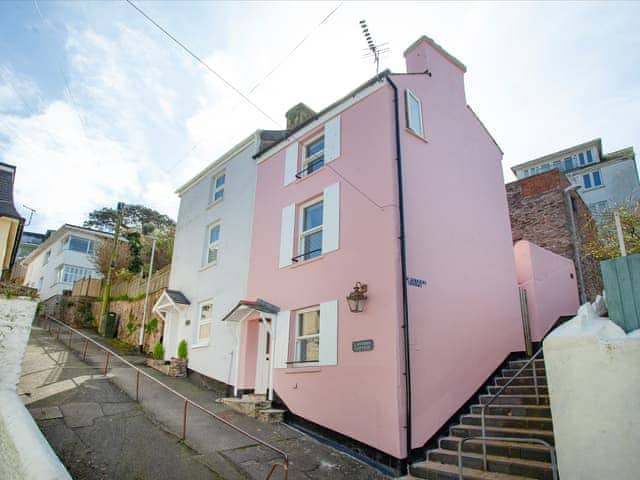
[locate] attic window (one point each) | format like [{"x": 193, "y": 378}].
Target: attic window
[{"x": 413, "y": 107}]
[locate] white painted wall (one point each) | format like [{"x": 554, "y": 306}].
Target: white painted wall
[
  {"x": 24, "y": 452},
  {"x": 619, "y": 183},
  {"x": 225, "y": 283},
  {"x": 59, "y": 256},
  {"x": 593, "y": 371}
]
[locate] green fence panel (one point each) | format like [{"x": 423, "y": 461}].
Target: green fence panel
[{"x": 621, "y": 277}]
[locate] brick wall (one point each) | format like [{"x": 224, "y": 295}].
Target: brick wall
[{"x": 539, "y": 214}]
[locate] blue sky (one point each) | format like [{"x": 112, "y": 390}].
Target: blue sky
[{"x": 97, "y": 106}]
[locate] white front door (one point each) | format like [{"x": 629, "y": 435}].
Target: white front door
[{"x": 263, "y": 361}]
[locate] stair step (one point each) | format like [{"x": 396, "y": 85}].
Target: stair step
[
  {"x": 534, "y": 423},
  {"x": 519, "y": 363},
  {"x": 461, "y": 430},
  {"x": 520, "y": 390},
  {"x": 441, "y": 471},
  {"x": 271, "y": 415},
  {"x": 527, "y": 372},
  {"x": 521, "y": 380},
  {"x": 248, "y": 406},
  {"x": 517, "y": 450},
  {"x": 543, "y": 411},
  {"x": 507, "y": 399},
  {"x": 526, "y": 468}
]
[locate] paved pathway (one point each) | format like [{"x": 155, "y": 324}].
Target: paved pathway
[{"x": 79, "y": 408}]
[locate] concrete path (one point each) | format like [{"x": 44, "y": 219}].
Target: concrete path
[{"x": 71, "y": 396}]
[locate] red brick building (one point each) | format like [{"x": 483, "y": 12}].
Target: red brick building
[{"x": 541, "y": 212}]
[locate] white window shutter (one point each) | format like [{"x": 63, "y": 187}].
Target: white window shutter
[
  {"x": 286, "y": 235},
  {"x": 291, "y": 164},
  {"x": 281, "y": 340},
  {"x": 329, "y": 333},
  {"x": 331, "y": 218},
  {"x": 332, "y": 139}
]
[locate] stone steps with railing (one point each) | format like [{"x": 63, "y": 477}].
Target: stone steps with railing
[
  {"x": 517, "y": 413},
  {"x": 256, "y": 406}
]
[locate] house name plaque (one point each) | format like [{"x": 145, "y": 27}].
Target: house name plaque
[{"x": 362, "y": 345}]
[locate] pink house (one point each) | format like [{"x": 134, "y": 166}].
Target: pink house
[{"x": 398, "y": 185}]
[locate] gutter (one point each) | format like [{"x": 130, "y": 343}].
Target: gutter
[{"x": 403, "y": 264}]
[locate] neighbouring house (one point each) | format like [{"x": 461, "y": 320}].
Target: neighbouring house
[
  {"x": 605, "y": 180},
  {"x": 64, "y": 257},
  {"x": 11, "y": 223},
  {"x": 29, "y": 241},
  {"x": 210, "y": 261},
  {"x": 544, "y": 210},
  {"x": 359, "y": 266}
]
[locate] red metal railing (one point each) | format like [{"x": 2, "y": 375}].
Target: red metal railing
[{"x": 52, "y": 322}]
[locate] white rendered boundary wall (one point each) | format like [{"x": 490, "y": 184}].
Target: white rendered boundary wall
[
  {"x": 593, "y": 371},
  {"x": 24, "y": 452}
]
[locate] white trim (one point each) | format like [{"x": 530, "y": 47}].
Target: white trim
[
  {"x": 409, "y": 93},
  {"x": 332, "y": 139},
  {"x": 331, "y": 218},
  {"x": 287, "y": 229},
  {"x": 346, "y": 104},
  {"x": 281, "y": 337},
  {"x": 328, "y": 348},
  {"x": 291, "y": 164}
]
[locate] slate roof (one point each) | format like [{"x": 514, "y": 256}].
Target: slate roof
[
  {"x": 7, "y": 207},
  {"x": 178, "y": 297}
]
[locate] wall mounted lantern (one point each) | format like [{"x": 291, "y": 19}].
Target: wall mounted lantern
[{"x": 357, "y": 298}]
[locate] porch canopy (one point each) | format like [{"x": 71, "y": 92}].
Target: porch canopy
[
  {"x": 244, "y": 308},
  {"x": 170, "y": 300}
]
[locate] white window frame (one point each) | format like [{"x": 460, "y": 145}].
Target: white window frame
[
  {"x": 85, "y": 273},
  {"x": 409, "y": 93},
  {"x": 209, "y": 245},
  {"x": 307, "y": 160},
  {"x": 204, "y": 341},
  {"x": 305, "y": 233},
  {"x": 297, "y": 352},
  {"x": 215, "y": 189},
  {"x": 67, "y": 241}
]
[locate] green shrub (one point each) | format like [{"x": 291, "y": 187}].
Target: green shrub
[
  {"x": 152, "y": 326},
  {"x": 158, "y": 351},
  {"x": 182, "y": 349},
  {"x": 131, "y": 327}
]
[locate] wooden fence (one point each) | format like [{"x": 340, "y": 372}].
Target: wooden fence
[{"x": 92, "y": 287}]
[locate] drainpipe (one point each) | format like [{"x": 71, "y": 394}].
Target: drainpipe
[
  {"x": 403, "y": 264},
  {"x": 576, "y": 242}
]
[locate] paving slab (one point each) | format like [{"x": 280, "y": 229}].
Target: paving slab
[{"x": 45, "y": 413}]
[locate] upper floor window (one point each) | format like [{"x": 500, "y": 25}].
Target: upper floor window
[
  {"x": 47, "y": 256},
  {"x": 310, "y": 244},
  {"x": 313, "y": 157},
  {"x": 581, "y": 158},
  {"x": 205, "y": 318},
  {"x": 414, "y": 113},
  {"x": 213, "y": 243},
  {"x": 592, "y": 179},
  {"x": 78, "y": 244},
  {"x": 568, "y": 163},
  {"x": 308, "y": 335},
  {"x": 217, "y": 187},
  {"x": 589, "y": 156},
  {"x": 71, "y": 273}
]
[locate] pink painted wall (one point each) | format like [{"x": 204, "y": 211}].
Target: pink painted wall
[
  {"x": 466, "y": 319},
  {"x": 362, "y": 396},
  {"x": 550, "y": 282}
]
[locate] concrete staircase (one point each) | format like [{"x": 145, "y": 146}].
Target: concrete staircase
[
  {"x": 256, "y": 406},
  {"x": 513, "y": 414}
]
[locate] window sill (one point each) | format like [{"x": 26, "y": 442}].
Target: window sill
[
  {"x": 207, "y": 267},
  {"x": 213, "y": 204},
  {"x": 418, "y": 136},
  {"x": 302, "y": 179},
  {"x": 300, "y": 263},
  {"x": 593, "y": 188},
  {"x": 200, "y": 345},
  {"x": 298, "y": 370}
]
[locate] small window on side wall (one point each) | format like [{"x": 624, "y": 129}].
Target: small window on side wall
[
  {"x": 205, "y": 317},
  {"x": 217, "y": 187},
  {"x": 413, "y": 108},
  {"x": 213, "y": 243}
]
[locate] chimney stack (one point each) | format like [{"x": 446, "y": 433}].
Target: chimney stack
[{"x": 297, "y": 115}]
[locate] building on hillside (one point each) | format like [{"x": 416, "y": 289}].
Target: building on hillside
[
  {"x": 29, "y": 241},
  {"x": 606, "y": 180},
  {"x": 64, "y": 257},
  {"x": 11, "y": 223},
  {"x": 341, "y": 269},
  {"x": 210, "y": 262},
  {"x": 544, "y": 210}
]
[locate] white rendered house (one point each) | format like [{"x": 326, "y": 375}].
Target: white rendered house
[
  {"x": 210, "y": 264},
  {"x": 64, "y": 257}
]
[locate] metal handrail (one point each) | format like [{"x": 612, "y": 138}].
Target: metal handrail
[
  {"x": 187, "y": 401},
  {"x": 483, "y": 409},
  {"x": 552, "y": 453}
]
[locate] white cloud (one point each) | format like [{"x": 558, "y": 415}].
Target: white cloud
[{"x": 17, "y": 93}]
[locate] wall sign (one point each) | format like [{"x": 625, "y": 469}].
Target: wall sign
[
  {"x": 416, "y": 282},
  {"x": 362, "y": 345}
]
